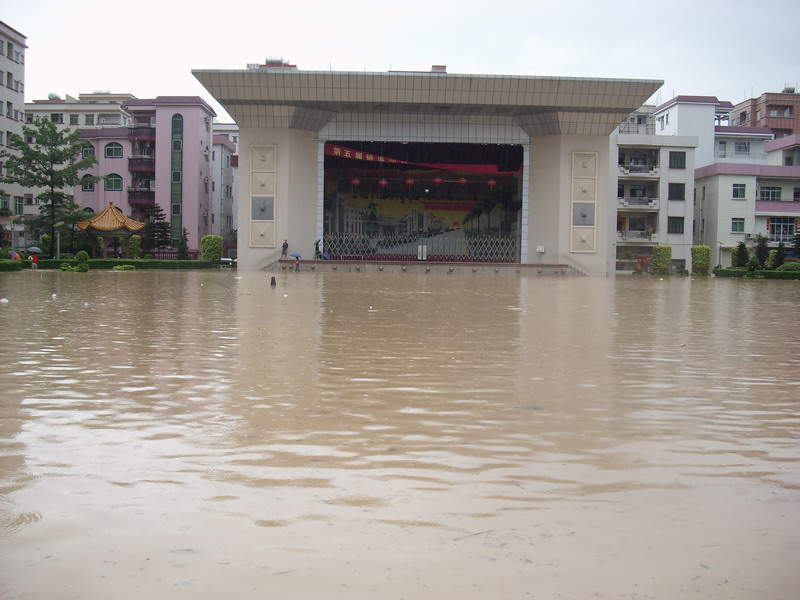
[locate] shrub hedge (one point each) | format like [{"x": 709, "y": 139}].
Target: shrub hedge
[
  {"x": 107, "y": 264},
  {"x": 775, "y": 274},
  {"x": 11, "y": 265}
]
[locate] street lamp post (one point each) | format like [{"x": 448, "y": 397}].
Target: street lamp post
[
  {"x": 58, "y": 227},
  {"x": 14, "y": 229}
]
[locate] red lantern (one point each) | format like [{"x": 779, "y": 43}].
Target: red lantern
[
  {"x": 437, "y": 180},
  {"x": 462, "y": 181},
  {"x": 409, "y": 182},
  {"x": 383, "y": 183},
  {"x": 491, "y": 183},
  {"x": 356, "y": 181}
]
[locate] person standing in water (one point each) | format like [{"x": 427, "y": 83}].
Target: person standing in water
[
  {"x": 296, "y": 264},
  {"x": 284, "y": 248}
]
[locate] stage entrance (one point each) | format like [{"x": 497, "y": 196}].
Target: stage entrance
[{"x": 422, "y": 201}]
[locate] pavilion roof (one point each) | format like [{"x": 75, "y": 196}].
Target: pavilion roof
[{"x": 111, "y": 219}]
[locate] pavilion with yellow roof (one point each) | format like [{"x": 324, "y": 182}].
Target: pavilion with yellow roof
[{"x": 111, "y": 223}]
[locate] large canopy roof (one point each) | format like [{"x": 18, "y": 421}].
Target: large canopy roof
[
  {"x": 110, "y": 221},
  {"x": 289, "y": 98}
]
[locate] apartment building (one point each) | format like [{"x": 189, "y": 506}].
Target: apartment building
[
  {"x": 163, "y": 157},
  {"x": 87, "y": 111},
  {"x": 12, "y": 88},
  {"x": 654, "y": 179},
  {"x": 739, "y": 200},
  {"x": 780, "y": 112},
  {"x": 223, "y": 189}
]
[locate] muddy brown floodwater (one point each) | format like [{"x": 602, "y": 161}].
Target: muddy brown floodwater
[{"x": 204, "y": 435}]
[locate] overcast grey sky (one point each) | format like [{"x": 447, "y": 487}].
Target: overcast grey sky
[{"x": 731, "y": 49}]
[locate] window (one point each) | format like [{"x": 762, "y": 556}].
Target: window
[
  {"x": 177, "y": 145},
  {"x": 176, "y": 177},
  {"x": 741, "y": 148},
  {"x": 113, "y": 150},
  {"x": 796, "y": 194},
  {"x": 57, "y": 118},
  {"x": 770, "y": 194},
  {"x": 638, "y": 191},
  {"x": 19, "y": 203},
  {"x": 739, "y": 191},
  {"x": 176, "y": 209},
  {"x": 87, "y": 183},
  {"x": 88, "y": 119},
  {"x": 781, "y": 229},
  {"x": 73, "y": 119},
  {"x": 114, "y": 183},
  {"x": 723, "y": 149},
  {"x": 2, "y": 137},
  {"x": 674, "y": 224},
  {"x": 87, "y": 151},
  {"x": 737, "y": 225},
  {"x": 677, "y": 191},
  {"x": 677, "y": 160}
]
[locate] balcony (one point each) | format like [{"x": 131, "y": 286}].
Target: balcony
[
  {"x": 638, "y": 128},
  {"x": 142, "y": 164},
  {"x": 639, "y": 170},
  {"x": 141, "y": 133},
  {"x": 639, "y": 203},
  {"x": 141, "y": 197},
  {"x": 638, "y": 237}
]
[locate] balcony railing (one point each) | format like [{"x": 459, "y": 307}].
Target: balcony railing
[
  {"x": 740, "y": 155},
  {"x": 141, "y": 163},
  {"x": 141, "y": 132},
  {"x": 777, "y": 238},
  {"x": 638, "y": 169},
  {"x": 635, "y": 236},
  {"x": 640, "y": 128},
  {"x": 646, "y": 202},
  {"x": 141, "y": 197}
]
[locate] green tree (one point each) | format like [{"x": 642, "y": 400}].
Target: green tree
[
  {"x": 134, "y": 246},
  {"x": 156, "y": 230},
  {"x": 780, "y": 256},
  {"x": 762, "y": 249},
  {"x": 701, "y": 260},
  {"x": 741, "y": 256},
  {"x": 662, "y": 260},
  {"x": 52, "y": 162},
  {"x": 211, "y": 248},
  {"x": 183, "y": 245}
]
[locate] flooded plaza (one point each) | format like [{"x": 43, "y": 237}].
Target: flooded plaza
[{"x": 204, "y": 435}]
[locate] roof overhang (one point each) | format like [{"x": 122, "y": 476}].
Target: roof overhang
[{"x": 311, "y": 99}]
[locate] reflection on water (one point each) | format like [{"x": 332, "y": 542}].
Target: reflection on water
[{"x": 205, "y": 435}]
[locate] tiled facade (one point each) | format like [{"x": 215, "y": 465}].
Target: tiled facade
[
  {"x": 12, "y": 87},
  {"x": 780, "y": 112},
  {"x": 562, "y": 124}
]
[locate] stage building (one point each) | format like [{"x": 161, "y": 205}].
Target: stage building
[{"x": 425, "y": 165}]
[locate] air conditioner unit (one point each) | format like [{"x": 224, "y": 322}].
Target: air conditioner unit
[{"x": 749, "y": 236}]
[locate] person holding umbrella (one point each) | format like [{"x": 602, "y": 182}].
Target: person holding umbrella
[
  {"x": 34, "y": 251},
  {"x": 297, "y": 258}
]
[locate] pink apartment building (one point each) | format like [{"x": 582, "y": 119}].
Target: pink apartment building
[{"x": 162, "y": 158}]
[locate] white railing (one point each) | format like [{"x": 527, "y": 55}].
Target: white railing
[
  {"x": 639, "y": 169},
  {"x": 637, "y": 202}
]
